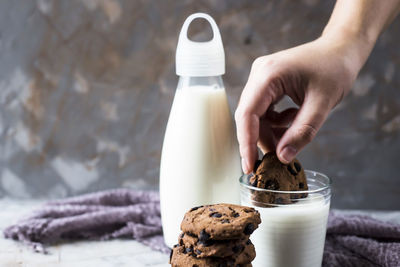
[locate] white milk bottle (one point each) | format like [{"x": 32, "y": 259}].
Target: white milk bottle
[{"x": 200, "y": 162}]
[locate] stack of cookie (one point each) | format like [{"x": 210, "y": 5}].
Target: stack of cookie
[{"x": 216, "y": 235}]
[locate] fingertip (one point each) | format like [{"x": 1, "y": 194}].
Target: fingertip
[
  {"x": 287, "y": 154},
  {"x": 245, "y": 167}
]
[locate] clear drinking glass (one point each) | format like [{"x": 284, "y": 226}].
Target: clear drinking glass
[{"x": 293, "y": 227}]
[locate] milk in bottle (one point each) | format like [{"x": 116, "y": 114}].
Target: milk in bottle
[{"x": 200, "y": 160}]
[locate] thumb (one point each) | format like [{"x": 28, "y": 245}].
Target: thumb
[{"x": 305, "y": 126}]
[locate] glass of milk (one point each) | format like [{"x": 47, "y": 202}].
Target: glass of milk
[{"x": 290, "y": 234}]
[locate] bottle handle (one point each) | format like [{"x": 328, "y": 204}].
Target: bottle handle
[
  {"x": 216, "y": 34},
  {"x": 200, "y": 59}
]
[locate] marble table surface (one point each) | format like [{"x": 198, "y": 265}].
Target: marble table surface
[{"x": 94, "y": 253}]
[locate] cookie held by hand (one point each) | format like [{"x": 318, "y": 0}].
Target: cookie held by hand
[{"x": 272, "y": 174}]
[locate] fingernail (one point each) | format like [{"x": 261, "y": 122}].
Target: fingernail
[
  {"x": 288, "y": 153},
  {"x": 244, "y": 166}
]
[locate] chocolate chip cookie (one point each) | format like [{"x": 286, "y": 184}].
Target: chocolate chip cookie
[
  {"x": 272, "y": 174},
  {"x": 220, "y": 222},
  {"x": 247, "y": 255},
  {"x": 180, "y": 258},
  {"x": 212, "y": 248}
]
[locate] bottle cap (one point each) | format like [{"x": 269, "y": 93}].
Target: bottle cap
[{"x": 200, "y": 59}]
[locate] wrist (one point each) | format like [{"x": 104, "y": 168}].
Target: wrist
[{"x": 354, "y": 47}]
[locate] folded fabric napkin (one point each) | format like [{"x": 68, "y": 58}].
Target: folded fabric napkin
[
  {"x": 356, "y": 240},
  {"x": 352, "y": 240},
  {"x": 98, "y": 216}
]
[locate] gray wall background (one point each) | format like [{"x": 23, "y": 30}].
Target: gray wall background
[{"x": 86, "y": 87}]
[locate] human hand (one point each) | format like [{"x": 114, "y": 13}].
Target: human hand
[{"x": 316, "y": 76}]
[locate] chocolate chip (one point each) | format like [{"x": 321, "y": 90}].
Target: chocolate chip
[
  {"x": 225, "y": 221},
  {"x": 206, "y": 243},
  {"x": 188, "y": 250},
  {"x": 195, "y": 265},
  {"x": 279, "y": 200},
  {"x": 191, "y": 234},
  {"x": 197, "y": 251},
  {"x": 301, "y": 185},
  {"x": 248, "y": 242},
  {"x": 204, "y": 236},
  {"x": 237, "y": 248},
  {"x": 182, "y": 235},
  {"x": 211, "y": 209},
  {"x": 297, "y": 167},
  {"x": 272, "y": 184},
  {"x": 195, "y": 208},
  {"x": 255, "y": 181},
  {"x": 256, "y": 165},
  {"x": 248, "y": 210},
  {"x": 290, "y": 169},
  {"x": 235, "y": 214},
  {"x": 176, "y": 245},
  {"x": 249, "y": 229},
  {"x": 216, "y": 215}
]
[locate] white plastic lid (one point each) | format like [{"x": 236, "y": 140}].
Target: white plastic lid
[{"x": 200, "y": 59}]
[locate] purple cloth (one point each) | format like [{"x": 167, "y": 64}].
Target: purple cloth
[
  {"x": 355, "y": 240},
  {"x": 352, "y": 240},
  {"x": 119, "y": 213}
]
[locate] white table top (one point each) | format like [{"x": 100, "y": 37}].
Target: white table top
[{"x": 92, "y": 253}]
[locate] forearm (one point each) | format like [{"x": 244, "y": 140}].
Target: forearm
[{"x": 357, "y": 24}]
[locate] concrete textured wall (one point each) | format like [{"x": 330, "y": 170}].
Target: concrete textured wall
[{"x": 86, "y": 87}]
